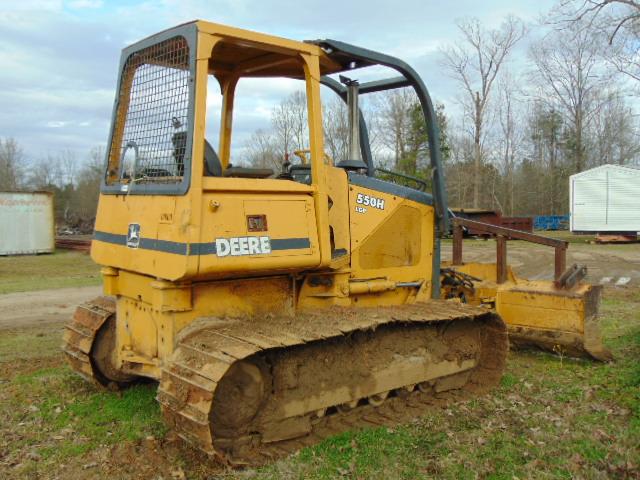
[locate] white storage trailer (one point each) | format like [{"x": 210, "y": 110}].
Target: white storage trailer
[
  {"x": 606, "y": 199},
  {"x": 26, "y": 223}
]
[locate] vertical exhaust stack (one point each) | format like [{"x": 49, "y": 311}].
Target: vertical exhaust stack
[
  {"x": 354, "y": 160},
  {"x": 354, "y": 131}
]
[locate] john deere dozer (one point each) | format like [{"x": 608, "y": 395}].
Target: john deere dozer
[{"x": 273, "y": 308}]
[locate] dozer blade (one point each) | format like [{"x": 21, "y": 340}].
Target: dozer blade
[
  {"x": 537, "y": 313},
  {"x": 565, "y": 322},
  {"x": 251, "y": 390}
]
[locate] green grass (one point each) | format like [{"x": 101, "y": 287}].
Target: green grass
[
  {"x": 28, "y": 344},
  {"x": 549, "y": 418},
  {"x": 51, "y": 415},
  {"x": 349, "y": 454},
  {"x": 40, "y": 272},
  {"x": 59, "y": 415},
  {"x": 104, "y": 418},
  {"x": 544, "y": 430}
]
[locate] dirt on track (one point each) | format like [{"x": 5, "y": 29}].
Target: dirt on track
[
  {"x": 42, "y": 307},
  {"x": 329, "y": 357}
]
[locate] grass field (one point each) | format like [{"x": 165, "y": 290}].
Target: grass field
[
  {"x": 39, "y": 272},
  {"x": 550, "y": 418}
]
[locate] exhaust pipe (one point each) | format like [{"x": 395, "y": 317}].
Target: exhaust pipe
[{"x": 354, "y": 159}]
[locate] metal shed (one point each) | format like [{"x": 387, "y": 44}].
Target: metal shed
[
  {"x": 26, "y": 223},
  {"x": 606, "y": 199}
]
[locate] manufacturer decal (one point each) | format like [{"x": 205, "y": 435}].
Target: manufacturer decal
[
  {"x": 133, "y": 235},
  {"x": 368, "y": 201},
  {"x": 257, "y": 223},
  {"x": 236, "y": 246}
]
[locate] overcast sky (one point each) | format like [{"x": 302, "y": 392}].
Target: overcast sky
[{"x": 59, "y": 58}]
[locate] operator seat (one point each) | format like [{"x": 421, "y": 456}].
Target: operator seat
[
  {"x": 212, "y": 164},
  {"x": 213, "y": 167}
]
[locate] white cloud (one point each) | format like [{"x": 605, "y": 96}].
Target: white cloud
[
  {"x": 32, "y": 5},
  {"x": 56, "y": 124},
  {"x": 78, "y": 4},
  {"x": 59, "y": 59}
]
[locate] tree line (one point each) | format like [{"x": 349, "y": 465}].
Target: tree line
[
  {"x": 517, "y": 132},
  {"x": 521, "y": 124},
  {"x": 74, "y": 181}
]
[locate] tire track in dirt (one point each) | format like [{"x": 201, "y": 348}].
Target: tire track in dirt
[
  {"x": 535, "y": 262},
  {"x": 42, "y": 307}
]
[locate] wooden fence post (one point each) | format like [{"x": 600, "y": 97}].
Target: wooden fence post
[
  {"x": 457, "y": 244},
  {"x": 501, "y": 263}
]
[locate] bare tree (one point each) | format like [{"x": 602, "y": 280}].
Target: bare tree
[
  {"x": 261, "y": 151},
  {"x": 618, "y": 20},
  {"x": 475, "y": 63},
  {"x": 571, "y": 76},
  {"x": 623, "y": 54},
  {"x": 87, "y": 190},
  {"x": 335, "y": 124},
  {"x": 289, "y": 122},
  {"x": 394, "y": 123},
  {"x": 545, "y": 169},
  {"x": 282, "y": 123},
  {"x": 617, "y": 14},
  {"x": 458, "y": 174},
  {"x": 68, "y": 167},
  {"x": 297, "y": 103},
  {"x": 400, "y": 127},
  {"x": 11, "y": 164},
  {"x": 55, "y": 170},
  {"x": 44, "y": 172},
  {"x": 512, "y": 136},
  {"x": 614, "y": 134}
]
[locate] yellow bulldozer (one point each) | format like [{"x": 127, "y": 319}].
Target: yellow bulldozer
[{"x": 277, "y": 308}]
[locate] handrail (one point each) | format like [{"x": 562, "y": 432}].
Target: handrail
[
  {"x": 411, "y": 79},
  {"x": 512, "y": 234},
  {"x": 421, "y": 184},
  {"x": 563, "y": 278}
]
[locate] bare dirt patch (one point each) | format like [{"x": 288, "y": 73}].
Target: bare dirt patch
[
  {"x": 535, "y": 262},
  {"x": 42, "y": 307}
]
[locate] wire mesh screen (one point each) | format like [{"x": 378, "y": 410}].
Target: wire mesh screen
[{"x": 154, "y": 100}]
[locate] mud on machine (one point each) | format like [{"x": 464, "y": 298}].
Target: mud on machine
[{"x": 274, "y": 308}]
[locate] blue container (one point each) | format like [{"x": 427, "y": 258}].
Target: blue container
[{"x": 551, "y": 222}]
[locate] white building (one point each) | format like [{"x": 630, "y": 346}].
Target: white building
[
  {"x": 26, "y": 223},
  {"x": 605, "y": 199}
]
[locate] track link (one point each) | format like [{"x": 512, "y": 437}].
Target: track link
[
  {"x": 80, "y": 335},
  {"x": 211, "y": 351}
]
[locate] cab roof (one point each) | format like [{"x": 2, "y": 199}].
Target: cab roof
[{"x": 254, "y": 54}]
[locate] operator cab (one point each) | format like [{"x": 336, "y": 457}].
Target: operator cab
[
  {"x": 202, "y": 192},
  {"x": 156, "y": 138}
]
